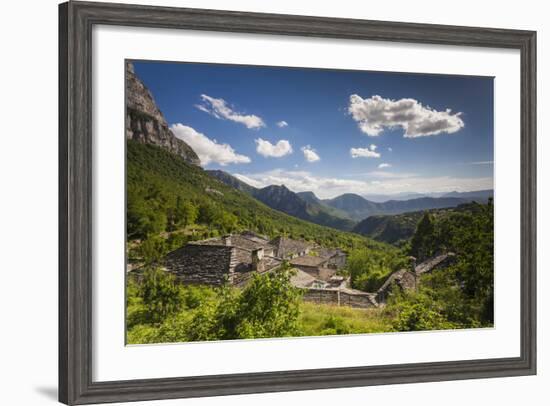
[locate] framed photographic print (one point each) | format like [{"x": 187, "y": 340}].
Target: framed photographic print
[{"x": 256, "y": 202}]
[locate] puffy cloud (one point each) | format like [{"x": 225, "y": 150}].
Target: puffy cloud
[
  {"x": 220, "y": 109},
  {"x": 368, "y": 183},
  {"x": 384, "y": 165},
  {"x": 269, "y": 150},
  {"x": 390, "y": 149},
  {"x": 376, "y": 113},
  {"x": 309, "y": 154},
  {"x": 364, "y": 152},
  {"x": 208, "y": 150},
  {"x": 282, "y": 124}
]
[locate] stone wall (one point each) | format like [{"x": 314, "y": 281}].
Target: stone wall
[
  {"x": 340, "y": 297},
  {"x": 209, "y": 264},
  {"x": 200, "y": 264},
  {"x": 145, "y": 122}
]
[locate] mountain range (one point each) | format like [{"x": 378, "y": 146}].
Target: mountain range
[
  {"x": 359, "y": 208},
  {"x": 345, "y": 211},
  {"x": 479, "y": 196},
  {"x": 283, "y": 199}
]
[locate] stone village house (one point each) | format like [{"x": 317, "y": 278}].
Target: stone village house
[{"x": 235, "y": 258}]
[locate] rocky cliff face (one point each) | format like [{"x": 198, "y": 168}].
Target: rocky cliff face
[{"x": 145, "y": 122}]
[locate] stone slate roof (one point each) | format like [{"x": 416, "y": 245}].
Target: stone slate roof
[
  {"x": 432, "y": 263},
  {"x": 302, "y": 279},
  {"x": 247, "y": 243},
  {"x": 287, "y": 246},
  {"x": 329, "y": 252},
  {"x": 255, "y": 237},
  {"x": 210, "y": 241},
  {"x": 399, "y": 277},
  {"x": 308, "y": 260},
  {"x": 239, "y": 241}
]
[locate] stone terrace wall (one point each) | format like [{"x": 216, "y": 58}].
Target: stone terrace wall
[{"x": 340, "y": 298}]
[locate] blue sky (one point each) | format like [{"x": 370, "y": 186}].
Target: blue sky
[{"x": 331, "y": 131}]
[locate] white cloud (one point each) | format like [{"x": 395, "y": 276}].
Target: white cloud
[
  {"x": 208, "y": 150},
  {"x": 364, "y": 152},
  {"x": 282, "y": 124},
  {"x": 481, "y": 163},
  {"x": 370, "y": 183},
  {"x": 309, "y": 154},
  {"x": 388, "y": 175},
  {"x": 301, "y": 181},
  {"x": 269, "y": 150},
  {"x": 250, "y": 181},
  {"x": 390, "y": 149},
  {"x": 220, "y": 109},
  {"x": 384, "y": 165},
  {"x": 375, "y": 114}
]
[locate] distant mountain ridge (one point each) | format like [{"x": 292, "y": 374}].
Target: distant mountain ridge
[
  {"x": 283, "y": 199},
  {"x": 480, "y": 196},
  {"x": 344, "y": 211},
  {"x": 396, "y": 228},
  {"x": 359, "y": 208}
]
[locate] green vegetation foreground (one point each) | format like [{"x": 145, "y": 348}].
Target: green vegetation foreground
[{"x": 268, "y": 307}]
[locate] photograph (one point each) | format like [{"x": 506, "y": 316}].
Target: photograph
[{"x": 271, "y": 202}]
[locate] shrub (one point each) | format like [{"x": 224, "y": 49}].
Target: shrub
[
  {"x": 268, "y": 307},
  {"x": 369, "y": 268},
  {"x": 417, "y": 312},
  {"x": 159, "y": 293},
  {"x": 152, "y": 250}
]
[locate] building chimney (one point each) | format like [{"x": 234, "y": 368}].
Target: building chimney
[
  {"x": 412, "y": 263},
  {"x": 257, "y": 260}
]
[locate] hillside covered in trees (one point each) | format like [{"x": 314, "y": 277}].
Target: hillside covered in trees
[
  {"x": 398, "y": 228},
  {"x": 169, "y": 198}
]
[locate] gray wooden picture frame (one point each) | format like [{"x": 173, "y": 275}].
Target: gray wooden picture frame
[{"x": 76, "y": 20}]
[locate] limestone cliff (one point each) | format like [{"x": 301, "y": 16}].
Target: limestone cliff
[{"x": 145, "y": 122}]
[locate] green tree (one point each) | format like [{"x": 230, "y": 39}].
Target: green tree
[
  {"x": 186, "y": 213},
  {"x": 423, "y": 240},
  {"x": 475, "y": 266},
  {"x": 152, "y": 250},
  {"x": 207, "y": 213},
  {"x": 159, "y": 293},
  {"x": 268, "y": 307},
  {"x": 143, "y": 220},
  {"x": 369, "y": 268},
  {"x": 226, "y": 222}
]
